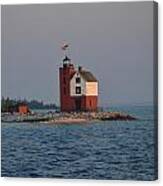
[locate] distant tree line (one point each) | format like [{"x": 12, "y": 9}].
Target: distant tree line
[{"x": 7, "y": 103}]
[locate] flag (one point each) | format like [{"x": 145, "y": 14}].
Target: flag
[{"x": 64, "y": 46}]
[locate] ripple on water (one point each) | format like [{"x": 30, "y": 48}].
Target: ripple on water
[{"x": 105, "y": 150}]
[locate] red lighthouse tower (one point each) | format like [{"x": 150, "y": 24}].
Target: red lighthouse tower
[
  {"x": 65, "y": 73},
  {"x": 78, "y": 87}
]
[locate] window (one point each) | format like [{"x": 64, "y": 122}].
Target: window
[
  {"x": 78, "y": 80},
  {"x": 78, "y": 90}
]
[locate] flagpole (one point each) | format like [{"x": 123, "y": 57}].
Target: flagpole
[{"x": 65, "y": 49}]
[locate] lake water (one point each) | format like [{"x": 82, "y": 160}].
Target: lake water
[{"x": 100, "y": 150}]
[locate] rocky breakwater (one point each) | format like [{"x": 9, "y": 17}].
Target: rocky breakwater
[
  {"x": 113, "y": 116},
  {"x": 63, "y": 117},
  {"x": 80, "y": 117}
]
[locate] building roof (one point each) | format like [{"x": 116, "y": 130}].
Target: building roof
[{"x": 88, "y": 76}]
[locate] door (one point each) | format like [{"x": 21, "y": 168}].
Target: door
[{"x": 78, "y": 104}]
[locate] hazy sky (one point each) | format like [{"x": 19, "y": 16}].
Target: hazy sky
[{"x": 113, "y": 40}]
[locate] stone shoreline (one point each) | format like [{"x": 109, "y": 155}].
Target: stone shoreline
[
  {"x": 73, "y": 117},
  {"x": 92, "y": 116}
]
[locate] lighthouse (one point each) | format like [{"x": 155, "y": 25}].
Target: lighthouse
[{"x": 78, "y": 87}]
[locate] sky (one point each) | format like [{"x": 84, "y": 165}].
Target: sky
[{"x": 112, "y": 40}]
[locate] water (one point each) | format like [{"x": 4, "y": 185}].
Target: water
[{"x": 100, "y": 150}]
